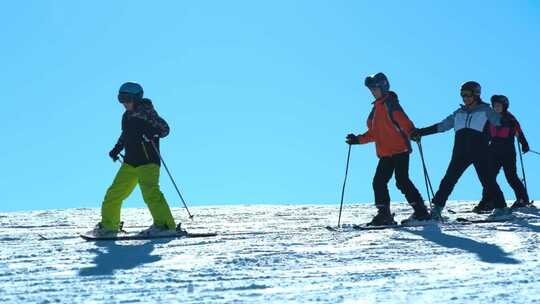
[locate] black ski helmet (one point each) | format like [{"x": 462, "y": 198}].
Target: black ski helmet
[
  {"x": 378, "y": 80},
  {"x": 473, "y": 87},
  {"x": 133, "y": 89},
  {"x": 500, "y": 99}
]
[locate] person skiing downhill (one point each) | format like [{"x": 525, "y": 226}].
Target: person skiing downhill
[
  {"x": 389, "y": 127},
  {"x": 470, "y": 123},
  {"x": 502, "y": 154},
  {"x": 141, "y": 165}
]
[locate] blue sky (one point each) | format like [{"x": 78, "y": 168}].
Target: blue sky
[{"x": 259, "y": 94}]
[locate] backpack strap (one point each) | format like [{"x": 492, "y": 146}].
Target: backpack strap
[{"x": 392, "y": 104}]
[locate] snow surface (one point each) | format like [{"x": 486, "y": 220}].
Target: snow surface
[{"x": 270, "y": 254}]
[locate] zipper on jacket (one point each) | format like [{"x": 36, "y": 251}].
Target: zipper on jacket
[{"x": 467, "y": 122}]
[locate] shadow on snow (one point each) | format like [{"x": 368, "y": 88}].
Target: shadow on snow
[
  {"x": 488, "y": 253},
  {"x": 111, "y": 256}
]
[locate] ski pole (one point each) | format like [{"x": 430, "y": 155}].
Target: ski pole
[
  {"x": 522, "y": 167},
  {"x": 426, "y": 175},
  {"x": 344, "y": 183},
  {"x": 169, "y": 173},
  {"x": 534, "y": 152}
]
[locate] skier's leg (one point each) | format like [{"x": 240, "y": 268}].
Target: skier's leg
[
  {"x": 153, "y": 197},
  {"x": 510, "y": 172},
  {"x": 404, "y": 183},
  {"x": 122, "y": 186},
  {"x": 488, "y": 180},
  {"x": 384, "y": 172},
  {"x": 457, "y": 166},
  {"x": 385, "y": 169},
  {"x": 495, "y": 165}
]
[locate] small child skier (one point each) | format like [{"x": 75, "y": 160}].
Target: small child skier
[
  {"x": 141, "y": 164},
  {"x": 502, "y": 154}
]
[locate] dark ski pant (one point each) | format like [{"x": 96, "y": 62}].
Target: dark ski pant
[
  {"x": 458, "y": 165},
  {"x": 507, "y": 162},
  {"x": 398, "y": 164}
]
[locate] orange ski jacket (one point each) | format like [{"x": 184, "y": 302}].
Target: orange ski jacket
[{"x": 388, "y": 126}]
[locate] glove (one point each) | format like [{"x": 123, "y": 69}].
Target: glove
[
  {"x": 114, "y": 152},
  {"x": 525, "y": 148},
  {"x": 416, "y": 135},
  {"x": 352, "y": 139}
]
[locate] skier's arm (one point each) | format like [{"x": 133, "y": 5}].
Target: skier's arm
[
  {"x": 445, "y": 125},
  {"x": 161, "y": 126},
  {"x": 119, "y": 146},
  {"x": 366, "y": 137},
  {"x": 158, "y": 125},
  {"x": 521, "y": 136},
  {"x": 403, "y": 120},
  {"x": 120, "y": 142}
]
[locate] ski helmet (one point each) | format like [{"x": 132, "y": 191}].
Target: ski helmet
[
  {"x": 378, "y": 80},
  {"x": 473, "y": 87},
  {"x": 133, "y": 89},
  {"x": 500, "y": 99}
]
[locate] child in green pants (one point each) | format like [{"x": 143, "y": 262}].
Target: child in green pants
[{"x": 141, "y": 164}]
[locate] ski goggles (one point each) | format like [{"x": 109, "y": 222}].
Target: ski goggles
[
  {"x": 467, "y": 93},
  {"x": 372, "y": 83},
  {"x": 125, "y": 97}
]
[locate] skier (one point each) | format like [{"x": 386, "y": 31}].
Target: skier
[
  {"x": 502, "y": 153},
  {"x": 389, "y": 127},
  {"x": 470, "y": 123},
  {"x": 141, "y": 164}
]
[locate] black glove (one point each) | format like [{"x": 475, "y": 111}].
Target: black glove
[
  {"x": 525, "y": 148},
  {"x": 416, "y": 135},
  {"x": 352, "y": 139},
  {"x": 114, "y": 152}
]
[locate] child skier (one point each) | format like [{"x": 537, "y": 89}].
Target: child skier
[
  {"x": 502, "y": 153},
  {"x": 141, "y": 164},
  {"x": 389, "y": 127},
  {"x": 470, "y": 123}
]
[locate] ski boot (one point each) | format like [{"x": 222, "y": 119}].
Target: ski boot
[
  {"x": 483, "y": 207},
  {"x": 436, "y": 213},
  {"x": 100, "y": 231},
  {"x": 383, "y": 218},
  {"x": 521, "y": 203},
  {"x": 157, "y": 230},
  {"x": 500, "y": 214},
  {"x": 179, "y": 230},
  {"x": 420, "y": 214}
]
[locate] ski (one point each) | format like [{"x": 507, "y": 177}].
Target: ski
[
  {"x": 486, "y": 220},
  {"x": 529, "y": 207},
  {"x": 136, "y": 236},
  {"x": 463, "y": 220},
  {"x": 459, "y": 220},
  {"x": 365, "y": 227}
]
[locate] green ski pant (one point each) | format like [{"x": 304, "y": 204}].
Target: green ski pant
[{"x": 147, "y": 176}]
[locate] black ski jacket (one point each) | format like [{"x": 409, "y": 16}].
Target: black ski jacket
[{"x": 143, "y": 120}]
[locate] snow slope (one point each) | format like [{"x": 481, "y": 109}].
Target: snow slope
[{"x": 269, "y": 254}]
